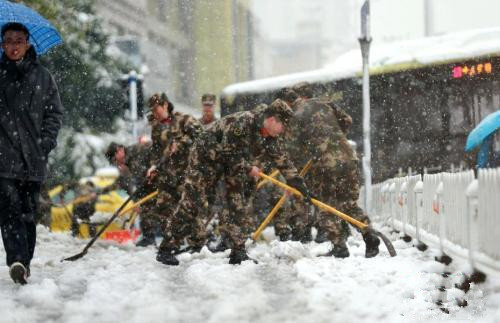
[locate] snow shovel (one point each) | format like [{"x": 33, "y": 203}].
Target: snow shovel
[
  {"x": 264, "y": 181},
  {"x": 278, "y": 205},
  {"x": 117, "y": 213},
  {"x": 360, "y": 225}
]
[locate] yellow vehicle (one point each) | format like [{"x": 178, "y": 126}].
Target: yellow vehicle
[{"x": 67, "y": 199}]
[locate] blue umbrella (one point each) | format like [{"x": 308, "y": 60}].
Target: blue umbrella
[
  {"x": 486, "y": 127},
  {"x": 43, "y": 36}
]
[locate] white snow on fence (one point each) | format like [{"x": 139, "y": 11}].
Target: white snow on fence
[{"x": 453, "y": 212}]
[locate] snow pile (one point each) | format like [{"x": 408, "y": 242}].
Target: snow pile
[{"x": 122, "y": 283}]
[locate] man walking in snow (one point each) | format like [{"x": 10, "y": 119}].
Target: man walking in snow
[{"x": 30, "y": 119}]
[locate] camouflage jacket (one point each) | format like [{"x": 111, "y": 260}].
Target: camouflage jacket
[
  {"x": 239, "y": 144},
  {"x": 137, "y": 160},
  {"x": 315, "y": 133},
  {"x": 182, "y": 130},
  {"x": 343, "y": 118},
  {"x": 205, "y": 122}
]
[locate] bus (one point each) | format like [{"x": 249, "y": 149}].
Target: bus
[{"x": 426, "y": 96}]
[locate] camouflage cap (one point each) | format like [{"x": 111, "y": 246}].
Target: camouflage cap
[
  {"x": 208, "y": 99},
  {"x": 303, "y": 89},
  {"x": 279, "y": 109},
  {"x": 287, "y": 94}
]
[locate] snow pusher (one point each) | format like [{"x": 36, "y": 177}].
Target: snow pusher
[
  {"x": 87, "y": 213},
  {"x": 123, "y": 209},
  {"x": 360, "y": 225}
]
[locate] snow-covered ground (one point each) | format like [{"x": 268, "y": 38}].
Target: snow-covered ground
[{"x": 122, "y": 283}]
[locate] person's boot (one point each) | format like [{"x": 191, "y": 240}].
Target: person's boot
[
  {"x": 167, "y": 257},
  {"x": 306, "y": 235},
  {"x": 239, "y": 255},
  {"x": 18, "y": 273},
  {"x": 222, "y": 246},
  {"x": 146, "y": 240},
  {"x": 321, "y": 236},
  {"x": 339, "y": 250},
  {"x": 372, "y": 242},
  {"x": 284, "y": 236}
]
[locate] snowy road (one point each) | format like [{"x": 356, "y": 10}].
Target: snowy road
[{"x": 125, "y": 284}]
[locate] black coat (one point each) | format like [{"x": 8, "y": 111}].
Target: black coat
[{"x": 30, "y": 118}]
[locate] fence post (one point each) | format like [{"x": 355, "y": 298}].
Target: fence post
[
  {"x": 392, "y": 201},
  {"x": 419, "y": 206},
  {"x": 403, "y": 207},
  {"x": 439, "y": 209},
  {"x": 383, "y": 196},
  {"x": 472, "y": 209}
]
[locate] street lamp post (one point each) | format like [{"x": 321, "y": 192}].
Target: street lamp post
[
  {"x": 132, "y": 81},
  {"x": 364, "y": 42}
]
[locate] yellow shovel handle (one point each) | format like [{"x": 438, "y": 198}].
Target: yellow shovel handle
[
  {"x": 278, "y": 205},
  {"x": 263, "y": 181},
  {"x": 138, "y": 203},
  {"x": 319, "y": 204}
]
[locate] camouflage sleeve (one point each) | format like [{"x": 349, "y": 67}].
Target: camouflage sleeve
[
  {"x": 320, "y": 135},
  {"x": 280, "y": 158},
  {"x": 156, "y": 147},
  {"x": 344, "y": 119},
  {"x": 235, "y": 145},
  {"x": 188, "y": 132}
]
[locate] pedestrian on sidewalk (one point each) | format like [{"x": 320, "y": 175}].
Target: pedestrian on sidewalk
[{"x": 30, "y": 119}]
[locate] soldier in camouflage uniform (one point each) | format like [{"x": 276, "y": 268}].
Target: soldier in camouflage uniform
[
  {"x": 172, "y": 141},
  {"x": 334, "y": 176},
  {"x": 227, "y": 149},
  {"x": 208, "y": 109},
  {"x": 133, "y": 162}
]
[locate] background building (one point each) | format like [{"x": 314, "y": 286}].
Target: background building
[
  {"x": 182, "y": 47},
  {"x": 298, "y": 35}
]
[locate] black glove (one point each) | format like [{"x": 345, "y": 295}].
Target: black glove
[{"x": 298, "y": 183}]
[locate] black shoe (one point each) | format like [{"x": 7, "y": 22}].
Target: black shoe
[
  {"x": 195, "y": 249},
  {"x": 372, "y": 242},
  {"x": 167, "y": 257},
  {"x": 338, "y": 251},
  {"x": 220, "y": 247},
  {"x": 306, "y": 236},
  {"x": 284, "y": 236},
  {"x": 239, "y": 255},
  {"x": 146, "y": 241},
  {"x": 18, "y": 273}
]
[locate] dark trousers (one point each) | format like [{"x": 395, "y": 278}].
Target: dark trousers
[{"x": 18, "y": 207}]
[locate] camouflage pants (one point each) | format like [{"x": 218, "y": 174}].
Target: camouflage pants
[
  {"x": 339, "y": 187},
  {"x": 236, "y": 221},
  {"x": 155, "y": 213},
  {"x": 203, "y": 173},
  {"x": 295, "y": 216}
]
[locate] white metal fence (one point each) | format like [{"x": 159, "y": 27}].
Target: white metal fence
[{"x": 454, "y": 212}]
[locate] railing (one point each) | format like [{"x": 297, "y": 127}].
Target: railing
[{"x": 454, "y": 212}]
